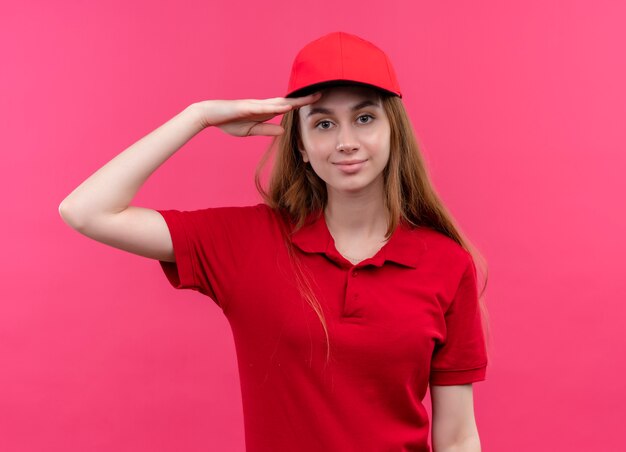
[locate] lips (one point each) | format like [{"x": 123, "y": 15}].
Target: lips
[
  {"x": 350, "y": 166},
  {"x": 349, "y": 162}
]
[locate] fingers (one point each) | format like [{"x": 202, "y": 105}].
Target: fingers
[
  {"x": 266, "y": 128},
  {"x": 303, "y": 100},
  {"x": 293, "y": 102},
  {"x": 257, "y": 109}
]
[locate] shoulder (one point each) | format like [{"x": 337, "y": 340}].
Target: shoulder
[
  {"x": 259, "y": 218},
  {"x": 444, "y": 250},
  {"x": 260, "y": 212},
  {"x": 267, "y": 214},
  {"x": 230, "y": 219}
]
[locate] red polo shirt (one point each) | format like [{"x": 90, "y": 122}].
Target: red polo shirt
[{"x": 402, "y": 319}]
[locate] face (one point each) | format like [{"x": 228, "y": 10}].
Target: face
[{"x": 345, "y": 137}]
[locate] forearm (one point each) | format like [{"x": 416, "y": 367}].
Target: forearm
[
  {"x": 469, "y": 444},
  {"x": 112, "y": 187}
]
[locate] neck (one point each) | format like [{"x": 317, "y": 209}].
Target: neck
[{"x": 360, "y": 215}]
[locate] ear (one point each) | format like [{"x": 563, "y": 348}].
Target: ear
[{"x": 305, "y": 156}]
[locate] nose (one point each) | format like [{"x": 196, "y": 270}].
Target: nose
[{"x": 347, "y": 142}]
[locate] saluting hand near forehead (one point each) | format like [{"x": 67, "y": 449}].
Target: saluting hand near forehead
[{"x": 246, "y": 117}]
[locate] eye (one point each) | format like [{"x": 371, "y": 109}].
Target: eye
[
  {"x": 322, "y": 122},
  {"x": 358, "y": 120},
  {"x": 366, "y": 116}
]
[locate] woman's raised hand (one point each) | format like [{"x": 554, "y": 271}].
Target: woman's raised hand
[{"x": 246, "y": 117}]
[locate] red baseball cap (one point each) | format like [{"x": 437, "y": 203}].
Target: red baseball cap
[{"x": 341, "y": 58}]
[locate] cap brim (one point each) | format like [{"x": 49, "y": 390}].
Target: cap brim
[{"x": 330, "y": 83}]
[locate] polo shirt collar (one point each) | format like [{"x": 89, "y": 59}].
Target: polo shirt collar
[{"x": 404, "y": 247}]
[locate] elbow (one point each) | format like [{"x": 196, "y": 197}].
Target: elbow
[
  {"x": 62, "y": 209},
  {"x": 69, "y": 217}
]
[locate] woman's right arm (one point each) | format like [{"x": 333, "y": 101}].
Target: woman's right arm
[{"x": 99, "y": 208}]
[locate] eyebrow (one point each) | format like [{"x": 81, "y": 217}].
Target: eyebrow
[{"x": 326, "y": 111}]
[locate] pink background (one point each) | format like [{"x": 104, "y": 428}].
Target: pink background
[{"x": 520, "y": 107}]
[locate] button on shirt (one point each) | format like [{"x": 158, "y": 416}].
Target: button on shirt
[{"x": 399, "y": 320}]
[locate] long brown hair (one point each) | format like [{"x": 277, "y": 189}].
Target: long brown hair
[{"x": 296, "y": 191}]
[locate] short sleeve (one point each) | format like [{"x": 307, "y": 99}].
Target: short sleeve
[
  {"x": 209, "y": 245},
  {"x": 462, "y": 357}
]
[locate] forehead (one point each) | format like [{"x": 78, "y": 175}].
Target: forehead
[{"x": 341, "y": 97}]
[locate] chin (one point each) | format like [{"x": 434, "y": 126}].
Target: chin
[{"x": 352, "y": 186}]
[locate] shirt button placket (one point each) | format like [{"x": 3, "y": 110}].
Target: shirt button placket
[{"x": 352, "y": 296}]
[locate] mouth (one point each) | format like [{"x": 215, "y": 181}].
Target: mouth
[
  {"x": 350, "y": 166},
  {"x": 349, "y": 162}
]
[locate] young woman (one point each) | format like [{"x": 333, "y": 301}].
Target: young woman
[{"x": 349, "y": 289}]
